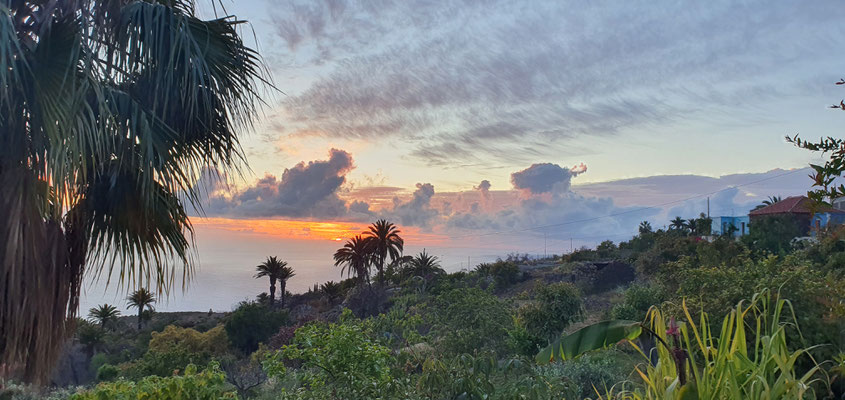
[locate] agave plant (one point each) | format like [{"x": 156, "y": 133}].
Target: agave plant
[{"x": 693, "y": 362}]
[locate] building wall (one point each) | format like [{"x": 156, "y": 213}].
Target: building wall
[{"x": 720, "y": 225}]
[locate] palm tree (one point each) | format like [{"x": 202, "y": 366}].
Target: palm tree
[
  {"x": 274, "y": 269},
  {"x": 384, "y": 241},
  {"x": 425, "y": 265},
  {"x": 142, "y": 299},
  {"x": 355, "y": 256},
  {"x": 109, "y": 111},
  {"x": 678, "y": 224},
  {"x": 284, "y": 274},
  {"x": 772, "y": 200},
  {"x": 331, "y": 290},
  {"x": 103, "y": 314},
  {"x": 645, "y": 228}
]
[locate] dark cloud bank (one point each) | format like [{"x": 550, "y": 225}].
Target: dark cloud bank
[{"x": 545, "y": 197}]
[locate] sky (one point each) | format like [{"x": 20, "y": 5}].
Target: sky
[{"x": 483, "y": 127}]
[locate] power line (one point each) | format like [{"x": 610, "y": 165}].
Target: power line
[{"x": 624, "y": 212}]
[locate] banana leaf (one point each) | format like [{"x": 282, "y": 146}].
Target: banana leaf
[{"x": 589, "y": 338}]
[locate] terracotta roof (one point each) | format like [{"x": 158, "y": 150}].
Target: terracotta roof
[{"x": 793, "y": 205}]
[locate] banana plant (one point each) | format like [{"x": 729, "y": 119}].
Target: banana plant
[{"x": 695, "y": 362}]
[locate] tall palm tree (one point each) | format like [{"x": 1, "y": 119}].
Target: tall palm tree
[
  {"x": 142, "y": 299},
  {"x": 285, "y": 274},
  {"x": 384, "y": 241},
  {"x": 109, "y": 111},
  {"x": 104, "y": 314},
  {"x": 274, "y": 269},
  {"x": 355, "y": 256},
  {"x": 425, "y": 265}
]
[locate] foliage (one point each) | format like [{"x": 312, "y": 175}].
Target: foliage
[
  {"x": 107, "y": 372},
  {"x": 483, "y": 377},
  {"x": 89, "y": 335},
  {"x": 825, "y": 176},
  {"x": 104, "y": 314},
  {"x": 772, "y": 233},
  {"x": 332, "y": 291},
  {"x": 355, "y": 257},
  {"x": 423, "y": 265},
  {"x": 504, "y": 273},
  {"x": 208, "y": 384},
  {"x": 276, "y": 270},
  {"x": 555, "y": 307},
  {"x": 591, "y": 372},
  {"x": 468, "y": 320},
  {"x": 213, "y": 341},
  {"x": 637, "y": 300},
  {"x": 693, "y": 362},
  {"x": 339, "y": 360},
  {"x": 383, "y": 241},
  {"x": 252, "y": 323},
  {"x": 143, "y": 300},
  {"x": 111, "y": 110}
]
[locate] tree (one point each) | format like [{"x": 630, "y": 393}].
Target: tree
[
  {"x": 825, "y": 176},
  {"x": 109, "y": 111},
  {"x": 768, "y": 201},
  {"x": 425, "y": 265},
  {"x": 384, "y": 241},
  {"x": 252, "y": 323},
  {"x": 103, "y": 314},
  {"x": 645, "y": 228},
  {"x": 332, "y": 290},
  {"x": 355, "y": 256},
  {"x": 276, "y": 270},
  {"x": 678, "y": 224},
  {"x": 142, "y": 299}
]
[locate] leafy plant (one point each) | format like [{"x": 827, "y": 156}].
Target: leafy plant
[
  {"x": 252, "y": 323},
  {"x": 693, "y": 362},
  {"x": 208, "y": 384},
  {"x": 339, "y": 360},
  {"x": 104, "y": 314},
  {"x": 555, "y": 307},
  {"x": 468, "y": 320}
]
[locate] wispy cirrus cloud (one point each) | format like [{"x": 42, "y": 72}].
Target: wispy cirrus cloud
[{"x": 484, "y": 82}]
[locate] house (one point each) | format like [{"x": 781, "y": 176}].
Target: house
[
  {"x": 734, "y": 226},
  {"x": 809, "y": 216}
]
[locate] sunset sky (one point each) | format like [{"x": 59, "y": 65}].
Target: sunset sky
[{"x": 493, "y": 124}]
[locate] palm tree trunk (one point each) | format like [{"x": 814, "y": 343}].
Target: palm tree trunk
[
  {"x": 283, "y": 284},
  {"x": 140, "y": 313},
  {"x": 272, "y": 290}
]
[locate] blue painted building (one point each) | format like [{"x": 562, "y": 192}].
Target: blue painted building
[{"x": 722, "y": 225}]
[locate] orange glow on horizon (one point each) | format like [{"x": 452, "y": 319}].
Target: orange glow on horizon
[{"x": 337, "y": 231}]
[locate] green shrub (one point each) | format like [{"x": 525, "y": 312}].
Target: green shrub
[
  {"x": 338, "y": 360},
  {"x": 504, "y": 273},
  {"x": 600, "y": 370},
  {"x": 555, "y": 307},
  {"x": 637, "y": 299},
  {"x": 468, "y": 320},
  {"x": 252, "y": 323},
  {"x": 107, "y": 372},
  {"x": 192, "y": 385}
]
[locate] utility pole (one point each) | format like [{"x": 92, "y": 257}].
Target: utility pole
[
  {"x": 570, "y": 245},
  {"x": 544, "y": 245},
  {"x": 708, "y": 206}
]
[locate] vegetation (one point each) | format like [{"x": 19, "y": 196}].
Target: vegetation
[
  {"x": 252, "y": 323},
  {"x": 142, "y": 300},
  {"x": 103, "y": 314},
  {"x": 275, "y": 270},
  {"x": 111, "y": 110}
]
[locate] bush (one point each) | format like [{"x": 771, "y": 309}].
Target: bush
[
  {"x": 556, "y": 306},
  {"x": 637, "y": 299},
  {"x": 192, "y": 385},
  {"x": 600, "y": 370},
  {"x": 338, "y": 361},
  {"x": 467, "y": 320},
  {"x": 504, "y": 273},
  {"x": 213, "y": 341},
  {"x": 107, "y": 372},
  {"x": 252, "y": 323}
]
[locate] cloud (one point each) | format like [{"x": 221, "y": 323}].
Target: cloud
[
  {"x": 482, "y": 82},
  {"x": 546, "y": 178},
  {"x": 305, "y": 190},
  {"x": 416, "y": 211}
]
